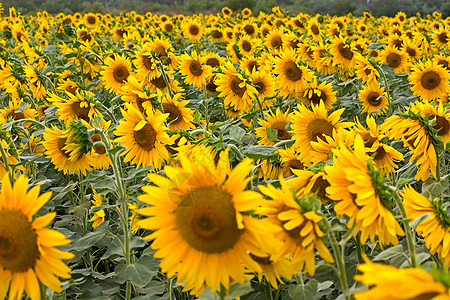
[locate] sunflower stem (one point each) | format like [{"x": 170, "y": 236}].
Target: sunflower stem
[
  {"x": 386, "y": 85},
  {"x": 339, "y": 257},
  {"x": 5, "y": 159},
  {"x": 164, "y": 75},
  {"x": 268, "y": 289},
  {"x": 409, "y": 234},
  {"x": 43, "y": 290},
  {"x": 438, "y": 165}
]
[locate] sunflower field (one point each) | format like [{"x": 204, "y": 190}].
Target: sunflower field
[{"x": 226, "y": 156}]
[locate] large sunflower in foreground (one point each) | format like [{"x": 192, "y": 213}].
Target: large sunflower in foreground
[
  {"x": 429, "y": 80},
  {"x": 278, "y": 122},
  {"x": 200, "y": 230},
  {"x": 389, "y": 282},
  {"x": 310, "y": 126},
  {"x": 143, "y": 137},
  {"x": 115, "y": 72},
  {"x": 435, "y": 229},
  {"x": 27, "y": 253},
  {"x": 356, "y": 187}
]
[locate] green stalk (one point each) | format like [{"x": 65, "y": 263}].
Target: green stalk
[
  {"x": 5, "y": 163},
  {"x": 408, "y": 231},
  {"x": 387, "y": 89},
  {"x": 268, "y": 289},
  {"x": 339, "y": 257}
]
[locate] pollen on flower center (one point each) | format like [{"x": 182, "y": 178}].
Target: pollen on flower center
[
  {"x": 430, "y": 80},
  {"x": 235, "y": 81},
  {"x": 145, "y": 137},
  {"x": 206, "y": 219},
  {"x": 318, "y": 128},
  {"x": 292, "y": 71},
  {"x": 18, "y": 242},
  {"x": 121, "y": 74},
  {"x": 195, "y": 68},
  {"x": 80, "y": 112},
  {"x": 175, "y": 115},
  {"x": 394, "y": 60}
]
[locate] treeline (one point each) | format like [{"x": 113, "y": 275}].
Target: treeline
[{"x": 333, "y": 7}]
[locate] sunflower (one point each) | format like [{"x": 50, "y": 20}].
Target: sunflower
[
  {"x": 290, "y": 160},
  {"x": 322, "y": 60},
  {"x": 429, "y": 80},
  {"x": 164, "y": 51},
  {"x": 279, "y": 122},
  {"x": 384, "y": 156},
  {"x": 366, "y": 70},
  {"x": 227, "y": 12},
  {"x": 79, "y": 106},
  {"x": 310, "y": 183},
  {"x": 389, "y": 282},
  {"x": 212, "y": 59},
  {"x": 268, "y": 169},
  {"x": 443, "y": 60},
  {"x": 143, "y": 138},
  {"x": 28, "y": 255},
  {"x": 115, "y": 72},
  {"x": 265, "y": 86},
  {"x": 193, "y": 30},
  {"x": 195, "y": 69},
  {"x": 291, "y": 77},
  {"x": 133, "y": 91},
  {"x": 146, "y": 64},
  {"x": 415, "y": 136},
  {"x": 159, "y": 83},
  {"x": 199, "y": 230},
  {"x": 435, "y": 228},
  {"x": 356, "y": 189},
  {"x": 251, "y": 64},
  {"x": 232, "y": 85},
  {"x": 180, "y": 117},
  {"x": 57, "y": 143},
  {"x": 441, "y": 37},
  {"x": 274, "y": 39},
  {"x": 14, "y": 112},
  {"x": 246, "y": 12},
  {"x": 311, "y": 126},
  {"x": 397, "y": 59},
  {"x": 413, "y": 49},
  {"x": 441, "y": 118},
  {"x": 315, "y": 94},
  {"x": 300, "y": 232},
  {"x": 98, "y": 214},
  {"x": 345, "y": 55},
  {"x": 91, "y": 20},
  {"x": 314, "y": 30},
  {"x": 373, "y": 98},
  {"x": 247, "y": 45},
  {"x": 35, "y": 82}
]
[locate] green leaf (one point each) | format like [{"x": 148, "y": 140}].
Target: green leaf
[
  {"x": 417, "y": 221},
  {"x": 140, "y": 273},
  {"x": 237, "y": 133},
  {"x": 435, "y": 188},
  {"x": 91, "y": 238},
  {"x": 302, "y": 292},
  {"x": 272, "y": 134},
  {"x": 237, "y": 290},
  {"x": 260, "y": 151},
  {"x": 375, "y": 46},
  {"x": 389, "y": 253},
  {"x": 153, "y": 288},
  {"x": 116, "y": 249}
]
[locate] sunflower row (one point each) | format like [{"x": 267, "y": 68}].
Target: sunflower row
[{"x": 189, "y": 97}]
